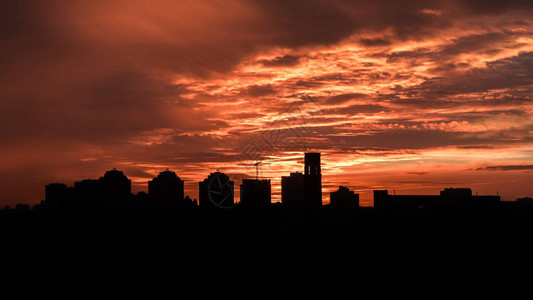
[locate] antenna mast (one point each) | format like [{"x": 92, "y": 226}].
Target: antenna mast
[{"x": 257, "y": 170}]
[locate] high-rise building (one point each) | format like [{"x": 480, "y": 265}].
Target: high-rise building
[
  {"x": 312, "y": 181},
  {"x": 255, "y": 193},
  {"x": 216, "y": 191},
  {"x": 312, "y": 163},
  {"x": 167, "y": 190},
  {"x": 292, "y": 190},
  {"x": 344, "y": 198},
  {"x": 111, "y": 191},
  {"x": 115, "y": 185},
  {"x": 89, "y": 192},
  {"x": 304, "y": 190}
]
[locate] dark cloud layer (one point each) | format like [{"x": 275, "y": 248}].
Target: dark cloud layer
[{"x": 506, "y": 168}]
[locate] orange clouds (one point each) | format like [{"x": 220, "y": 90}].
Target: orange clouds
[{"x": 386, "y": 90}]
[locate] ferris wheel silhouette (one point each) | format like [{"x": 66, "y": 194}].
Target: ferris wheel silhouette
[{"x": 220, "y": 191}]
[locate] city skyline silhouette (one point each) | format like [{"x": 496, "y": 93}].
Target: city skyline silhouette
[
  {"x": 299, "y": 191},
  {"x": 109, "y": 201}
]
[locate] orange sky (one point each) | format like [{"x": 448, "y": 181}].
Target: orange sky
[{"x": 412, "y": 96}]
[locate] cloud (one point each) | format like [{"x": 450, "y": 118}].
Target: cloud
[
  {"x": 375, "y": 42},
  {"x": 506, "y": 168},
  {"x": 281, "y": 61},
  {"x": 416, "y": 173},
  {"x": 188, "y": 85},
  {"x": 260, "y": 90},
  {"x": 343, "y": 98}
]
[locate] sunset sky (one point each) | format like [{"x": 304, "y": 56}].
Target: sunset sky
[{"x": 410, "y": 96}]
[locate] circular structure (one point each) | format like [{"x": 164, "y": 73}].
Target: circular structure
[{"x": 220, "y": 190}]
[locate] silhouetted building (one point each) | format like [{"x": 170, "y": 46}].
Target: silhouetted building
[
  {"x": 312, "y": 181},
  {"x": 112, "y": 191},
  {"x": 142, "y": 202},
  {"x": 115, "y": 185},
  {"x": 463, "y": 197},
  {"x": 292, "y": 190},
  {"x": 216, "y": 191},
  {"x": 304, "y": 190},
  {"x": 166, "y": 190},
  {"x": 255, "y": 193},
  {"x": 88, "y": 193},
  {"x": 56, "y": 196},
  {"x": 190, "y": 203},
  {"x": 344, "y": 198},
  {"x": 525, "y": 202},
  {"x": 456, "y": 193},
  {"x": 448, "y": 198},
  {"x": 382, "y": 200},
  {"x": 22, "y": 208}
]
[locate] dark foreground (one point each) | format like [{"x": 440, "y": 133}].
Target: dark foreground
[
  {"x": 504, "y": 220},
  {"x": 368, "y": 240}
]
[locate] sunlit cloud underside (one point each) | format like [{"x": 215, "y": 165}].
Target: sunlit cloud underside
[{"x": 436, "y": 96}]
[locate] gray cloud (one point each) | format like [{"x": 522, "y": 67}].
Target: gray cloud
[
  {"x": 282, "y": 61},
  {"x": 506, "y": 168}
]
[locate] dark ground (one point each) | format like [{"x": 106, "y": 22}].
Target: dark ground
[{"x": 363, "y": 248}]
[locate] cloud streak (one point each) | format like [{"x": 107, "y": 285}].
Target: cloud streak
[{"x": 506, "y": 168}]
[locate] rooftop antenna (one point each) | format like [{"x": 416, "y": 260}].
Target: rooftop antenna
[{"x": 257, "y": 170}]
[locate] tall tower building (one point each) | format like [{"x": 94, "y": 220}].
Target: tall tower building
[
  {"x": 312, "y": 181},
  {"x": 312, "y": 163},
  {"x": 304, "y": 190}
]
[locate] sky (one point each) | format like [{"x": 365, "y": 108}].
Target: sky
[{"x": 409, "y": 96}]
